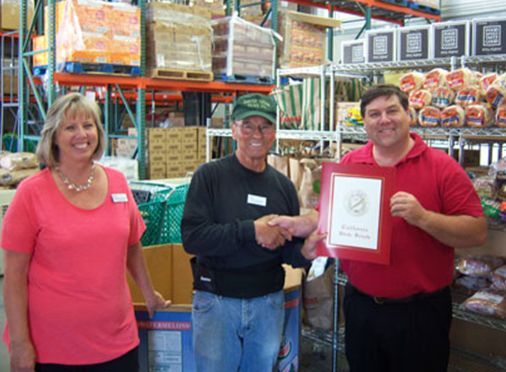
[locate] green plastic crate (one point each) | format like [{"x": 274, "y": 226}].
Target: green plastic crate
[{"x": 162, "y": 215}]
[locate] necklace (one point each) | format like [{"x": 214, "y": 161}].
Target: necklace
[{"x": 74, "y": 186}]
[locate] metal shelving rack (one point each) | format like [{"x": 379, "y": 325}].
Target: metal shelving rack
[
  {"x": 114, "y": 84},
  {"x": 336, "y": 337}
]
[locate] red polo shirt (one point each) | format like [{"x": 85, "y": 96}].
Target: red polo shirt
[{"x": 418, "y": 262}]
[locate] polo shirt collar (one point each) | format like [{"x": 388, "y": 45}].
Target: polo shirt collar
[{"x": 366, "y": 156}]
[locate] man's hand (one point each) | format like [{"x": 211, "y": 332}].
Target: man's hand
[
  {"x": 300, "y": 226},
  {"x": 270, "y": 237},
  {"x": 22, "y": 357},
  {"x": 407, "y": 206},
  {"x": 156, "y": 302},
  {"x": 309, "y": 248}
]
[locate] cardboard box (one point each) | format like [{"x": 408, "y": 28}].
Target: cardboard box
[
  {"x": 166, "y": 339},
  {"x": 304, "y": 39},
  {"x": 9, "y": 10}
]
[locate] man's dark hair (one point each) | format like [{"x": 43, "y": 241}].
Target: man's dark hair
[{"x": 383, "y": 90}]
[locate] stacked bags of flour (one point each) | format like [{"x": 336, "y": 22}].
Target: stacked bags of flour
[
  {"x": 455, "y": 99},
  {"x": 15, "y": 167}
]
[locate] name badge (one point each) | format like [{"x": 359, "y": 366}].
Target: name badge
[
  {"x": 119, "y": 198},
  {"x": 257, "y": 200}
]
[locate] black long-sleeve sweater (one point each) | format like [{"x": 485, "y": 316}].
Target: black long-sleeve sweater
[{"x": 223, "y": 201}]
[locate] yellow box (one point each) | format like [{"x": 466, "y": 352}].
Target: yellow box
[{"x": 157, "y": 134}]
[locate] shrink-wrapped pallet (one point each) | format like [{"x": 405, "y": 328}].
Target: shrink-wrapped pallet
[
  {"x": 179, "y": 38},
  {"x": 97, "y": 32},
  {"x": 242, "y": 48},
  {"x": 304, "y": 39}
]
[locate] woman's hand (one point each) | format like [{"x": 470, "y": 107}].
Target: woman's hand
[
  {"x": 22, "y": 357},
  {"x": 156, "y": 302}
]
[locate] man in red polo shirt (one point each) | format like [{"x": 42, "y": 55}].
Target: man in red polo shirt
[{"x": 398, "y": 316}]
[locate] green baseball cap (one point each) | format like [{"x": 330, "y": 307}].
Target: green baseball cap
[{"x": 255, "y": 104}]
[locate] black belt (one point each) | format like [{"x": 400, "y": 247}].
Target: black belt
[{"x": 403, "y": 300}]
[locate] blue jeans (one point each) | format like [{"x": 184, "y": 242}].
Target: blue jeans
[{"x": 233, "y": 334}]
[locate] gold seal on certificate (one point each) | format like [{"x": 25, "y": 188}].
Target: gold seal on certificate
[{"x": 356, "y": 202}]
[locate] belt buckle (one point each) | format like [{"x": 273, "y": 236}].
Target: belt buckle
[{"x": 378, "y": 300}]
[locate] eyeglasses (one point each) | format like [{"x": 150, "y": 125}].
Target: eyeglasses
[{"x": 248, "y": 128}]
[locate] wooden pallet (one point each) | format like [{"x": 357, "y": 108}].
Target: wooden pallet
[
  {"x": 168, "y": 73},
  {"x": 91, "y": 68}
]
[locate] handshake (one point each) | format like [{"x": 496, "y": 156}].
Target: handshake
[{"x": 272, "y": 231}]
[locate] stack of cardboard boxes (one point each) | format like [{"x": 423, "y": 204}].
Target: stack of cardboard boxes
[
  {"x": 178, "y": 38},
  {"x": 90, "y": 31},
  {"x": 304, "y": 39},
  {"x": 175, "y": 152},
  {"x": 242, "y": 48}
]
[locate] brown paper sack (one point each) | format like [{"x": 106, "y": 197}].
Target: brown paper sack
[
  {"x": 280, "y": 163},
  {"x": 310, "y": 174},
  {"x": 296, "y": 170},
  {"x": 317, "y": 300}
]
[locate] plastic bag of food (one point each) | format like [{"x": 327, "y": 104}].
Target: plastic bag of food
[
  {"x": 434, "y": 79},
  {"x": 19, "y": 160},
  {"x": 478, "y": 265},
  {"x": 478, "y": 116},
  {"x": 453, "y": 116},
  {"x": 429, "y": 117},
  {"x": 500, "y": 116},
  {"x": 411, "y": 81},
  {"x": 458, "y": 79},
  {"x": 474, "y": 283},
  {"x": 419, "y": 98},
  {"x": 442, "y": 97},
  {"x": 491, "y": 302},
  {"x": 486, "y": 81},
  {"x": 468, "y": 96},
  {"x": 499, "y": 278}
]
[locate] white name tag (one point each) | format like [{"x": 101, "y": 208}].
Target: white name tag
[
  {"x": 257, "y": 200},
  {"x": 119, "y": 198}
]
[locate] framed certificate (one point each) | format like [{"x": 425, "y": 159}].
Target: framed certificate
[{"x": 355, "y": 212}]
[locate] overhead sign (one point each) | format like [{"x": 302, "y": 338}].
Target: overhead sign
[
  {"x": 451, "y": 39},
  {"x": 414, "y": 43},
  {"x": 489, "y": 36},
  {"x": 381, "y": 46},
  {"x": 353, "y": 51}
]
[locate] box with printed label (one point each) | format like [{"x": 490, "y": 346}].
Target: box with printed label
[{"x": 166, "y": 339}]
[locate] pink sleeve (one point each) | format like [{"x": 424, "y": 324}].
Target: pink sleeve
[
  {"x": 137, "y": 225},
  {"x": 19, "y": 229}
]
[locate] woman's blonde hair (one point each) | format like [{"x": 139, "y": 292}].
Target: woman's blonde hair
[{"x": 65, "y": 107}]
